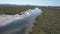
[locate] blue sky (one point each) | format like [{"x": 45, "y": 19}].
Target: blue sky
[{"x": 32, "y": 2}]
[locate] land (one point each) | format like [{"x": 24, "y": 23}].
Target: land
[
  {"x": 46, "y": 23},
  {"x": 11, "y": 10}
]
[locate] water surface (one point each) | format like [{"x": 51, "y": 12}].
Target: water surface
[{"x": 18, "y": 24}]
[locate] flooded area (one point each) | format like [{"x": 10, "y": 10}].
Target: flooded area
[{"x": 18, "y": 24}]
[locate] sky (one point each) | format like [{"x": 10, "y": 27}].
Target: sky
[{"x": 32, "y": 2}]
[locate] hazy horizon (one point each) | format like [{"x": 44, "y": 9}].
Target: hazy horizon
[{"x": 32, "y": 2}]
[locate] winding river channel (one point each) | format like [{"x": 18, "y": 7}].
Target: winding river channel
[{"x": 18, "y": 24}]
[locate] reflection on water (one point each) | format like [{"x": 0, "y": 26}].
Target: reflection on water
[{"x": 18, "y": 24}]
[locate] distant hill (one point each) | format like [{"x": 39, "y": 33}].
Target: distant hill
[{"x": 13, "y": 5}]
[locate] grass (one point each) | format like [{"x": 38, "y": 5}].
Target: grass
[
  {"x": 48, "y": 22},
  {"x": 14, "y": 10}
]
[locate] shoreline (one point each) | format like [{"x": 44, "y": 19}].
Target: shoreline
[{"x": 48, "y": 22}]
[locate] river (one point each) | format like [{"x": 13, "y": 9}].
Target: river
[{"x": 18, "y": 24}]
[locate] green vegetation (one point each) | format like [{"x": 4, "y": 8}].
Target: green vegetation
[
  {"x": 14, "y": 10},
  {"x": 48, "y": 22}
]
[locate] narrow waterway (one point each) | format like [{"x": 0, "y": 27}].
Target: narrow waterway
[{"x": 18, "y": 24}]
